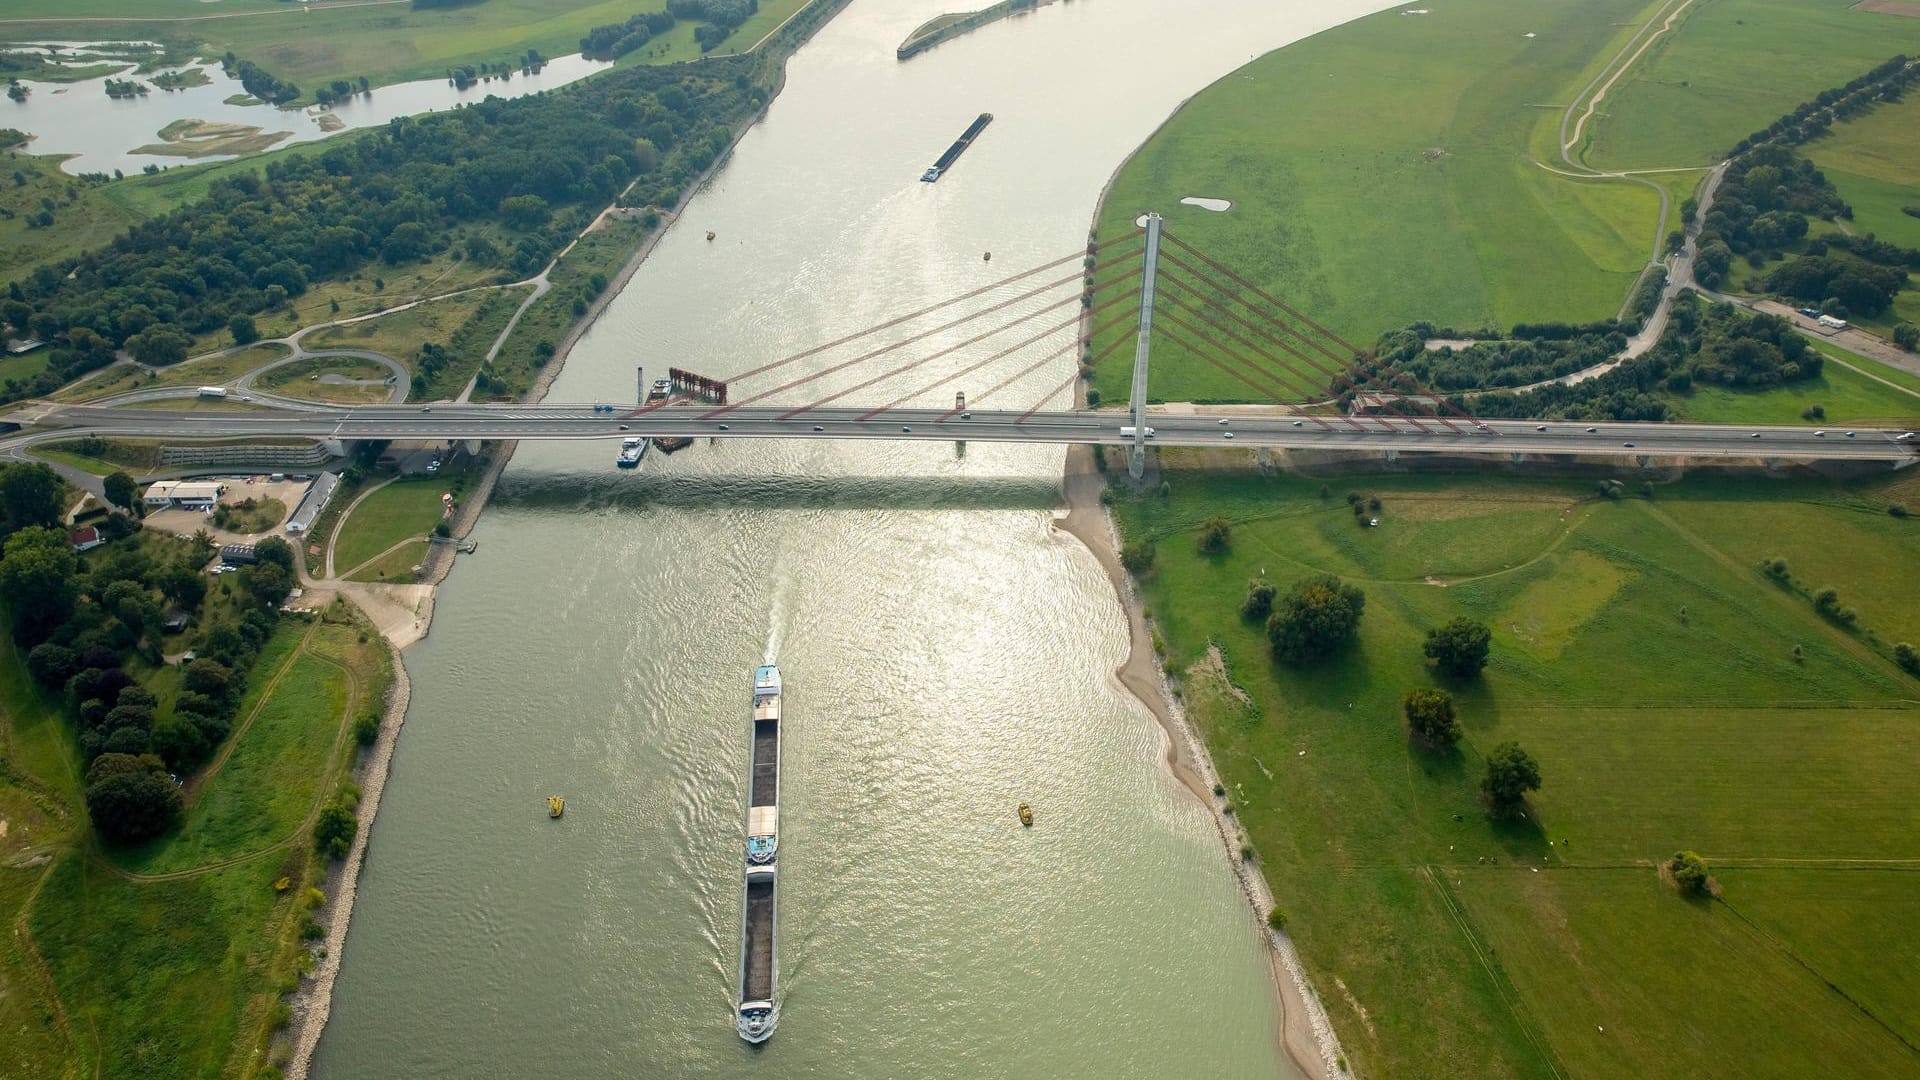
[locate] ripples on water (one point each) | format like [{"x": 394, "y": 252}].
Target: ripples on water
[{"x": 946, "y": 656}]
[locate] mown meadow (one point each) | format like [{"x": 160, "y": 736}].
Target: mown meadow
[{"x": 1675, "y": 695}]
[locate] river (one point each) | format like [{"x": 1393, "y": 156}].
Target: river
[{"x": 946, "y": 656}]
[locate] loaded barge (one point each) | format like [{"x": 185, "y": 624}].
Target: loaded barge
[
  {"x": 759, "y": 930},
  {"x": 959, "y": 147}
]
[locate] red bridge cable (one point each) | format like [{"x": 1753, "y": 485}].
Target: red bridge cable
[
  {"x": 963, "y": 372},
  {"x": 1335, "y": 376},
  {"x": 870, "y": 354},
  {"x": 1395, "y": 375},
  {"x": 1245, "y": 366},
  {"x": 1044, "y": 398},
  {"x": 1204, "y": 355},
  {"x": 1078, "y": 256},
  {"x": 1038, "y": 364},
  {"x": 1287, "y": 377},
  {"x": 882, "y": 377}
]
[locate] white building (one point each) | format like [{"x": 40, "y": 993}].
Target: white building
[{"x": 183, "y": 494}]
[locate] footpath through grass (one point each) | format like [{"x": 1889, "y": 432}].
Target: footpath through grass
[
  {"x": 1674, "y": 696},
  {"x": 1731, "y": 67},
  {"x": 407, "y": 508},
  {"x": 1380, "y": 174}
]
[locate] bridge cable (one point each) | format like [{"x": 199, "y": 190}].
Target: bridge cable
[
  {"x": 949, "y": 350},
  {"x": 1103, "y": 355},
  {"x": 1393, "y": 376},
  {"x": 963, "y": 372},
  {"x": 1288, "y": 378}
]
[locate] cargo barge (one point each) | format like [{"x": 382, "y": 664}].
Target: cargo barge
[
  {"x": 959, "y": 147},
  {"x": 759, "y": 1010}
]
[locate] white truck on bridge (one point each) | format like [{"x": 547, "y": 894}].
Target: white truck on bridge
[{"x": 1130, "y": 432}]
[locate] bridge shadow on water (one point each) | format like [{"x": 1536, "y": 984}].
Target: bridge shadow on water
[{"x": 520, "y": 489}]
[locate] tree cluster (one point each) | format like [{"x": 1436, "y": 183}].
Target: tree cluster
[
  {"x": 615, "y": 40},
  {"x": 1495, "y": 364},
  {"x": 394, "y": 194},
  {"x": 1811, "y": 119},
  {"x": 130, "y": 797},
  {"x": 1315, "y": 618},
  {"x": 1707, "y": 343},
  {"x": 258, "y": 81}
]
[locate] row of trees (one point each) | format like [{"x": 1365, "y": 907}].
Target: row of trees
[
  {"x": 394, "y": 194},
  {"x": 1810, "y": 119},
  {"x": 1717, "y": 344}
]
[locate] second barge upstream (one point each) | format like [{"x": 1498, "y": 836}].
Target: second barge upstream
[{"x": 759, "y": 927}]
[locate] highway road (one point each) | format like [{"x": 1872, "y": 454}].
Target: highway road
[{"x": 509, "y": 421}]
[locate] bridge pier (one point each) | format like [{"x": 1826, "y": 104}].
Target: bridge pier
[
  {"x": 1517, "y": 457},
  {"x": 1392, "y": 456},
  {"x": 1137, "y": 404}
]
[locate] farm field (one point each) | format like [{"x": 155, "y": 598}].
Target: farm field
[
  {"x": 1731, "y": 67},
  {"x": 1419, "y": 142},
  {"x": 1674, "y": 696}
]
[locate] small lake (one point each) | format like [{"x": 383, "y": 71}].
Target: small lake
[{"x": 102, "y": 133}]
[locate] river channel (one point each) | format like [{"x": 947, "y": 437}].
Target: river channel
[{"x": 946, "y": 656}]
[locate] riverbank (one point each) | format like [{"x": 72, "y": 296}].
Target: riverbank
[{"x": 1306, "y": 1035}]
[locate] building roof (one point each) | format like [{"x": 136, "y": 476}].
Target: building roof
[
  {"x": 83, "y": 537},
  {"x": 314, "y": 502}
]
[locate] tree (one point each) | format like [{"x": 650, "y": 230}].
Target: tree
[
  {"x": 1430, "y": 716},
  {"x": 1137, "y": 557},
  {"x": 1511, "y": 773},
  {"x": 242, "y": 328},
  {"x": 1690, "y": 873},
  {"x": 1259, "y": 601},
  {"x": 275, "y": 550},
  {"x": 135, "y": 804},
  {"x": 333, "y": 830},
  {"x": 1907, "y": 336},
  {"x": 37, "y": 578},
  {"x": 1215, "y": 532},
  {"x": 52, "y": 665},
  {"x": 120, "y": 489},
  {"x": 209, "y": 677},
  {"x": 159, "y": 345},
  {"x": 29, "y": 495},
  {"x": 268, "y": 582},
  {"x": 1460, "y": 647},
  {"x": 1318, "y": 615}
]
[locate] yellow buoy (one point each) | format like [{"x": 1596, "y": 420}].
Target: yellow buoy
[
  {"x": 556, "y": 806},
  {"x": 1026, "y": 815}
]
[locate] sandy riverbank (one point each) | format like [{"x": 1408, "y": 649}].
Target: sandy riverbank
[{"x": 1306, "y": 1035}]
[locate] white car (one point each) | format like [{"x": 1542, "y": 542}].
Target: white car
[
  {"x": 1228, "y": 434},
  {"x": 1223, "y": 421},
  {"x": 1820, "y": 434}
]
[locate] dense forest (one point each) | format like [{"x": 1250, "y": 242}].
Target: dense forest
[
  {"x": 1716, "y": 344},
  {"x": 528, "y": 171}
]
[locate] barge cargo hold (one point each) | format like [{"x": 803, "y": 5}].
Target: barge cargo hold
[
  {"x": 959, "y": 147},
  {"x": 759, "y": 1009}
]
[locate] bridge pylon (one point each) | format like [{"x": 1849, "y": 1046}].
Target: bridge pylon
[{"x": 1137, "y": 405}]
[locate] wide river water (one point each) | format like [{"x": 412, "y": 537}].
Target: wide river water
[{"x": 946, "y": 656}]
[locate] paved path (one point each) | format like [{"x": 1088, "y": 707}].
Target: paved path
[{"x": 334, "y": 536}]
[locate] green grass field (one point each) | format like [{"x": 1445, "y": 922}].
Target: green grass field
[
  {"x": 1875, "y": 163},
  {"x": 84, "y": 216},
  {"x": 408, "y": 507},
  {"x": 1643, "y": 659},
  {"x": 1731, "y": 67},
  {"x": 172, "y": 976},
  {"x": 1380, "y": 174},
  {"x": 1847, "y": 395},
  {"x": 387, "y": 42}
]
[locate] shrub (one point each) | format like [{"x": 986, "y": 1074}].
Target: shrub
[
  {"x": 1814, "y": 412},
  {"x": 1318, "y": 615},
  {"x": 1277, "y": 919},
  {"x": 1259, "y": 601},
  {"x": 1430, "y": 716},
  {"x": 1137, "y": 557},
  {"x": 333, "y": 830},
  {"x": 1907, "y": 657},
  {"x": 1898, "y": 510},
  {"x": 1215, "y": 534},
  {"x": 1689, "y": 872},
  {"x": 1775, "y": 568}
]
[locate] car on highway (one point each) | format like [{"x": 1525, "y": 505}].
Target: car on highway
[
  {"x": 966, "y": 416},
  {"x": 1627, "y": 445},
  {"x": 906, "y": 429},
  {"x": 624, "y": 427},
  {"x": 817, "y": 427},
  {"x": 1228, "y": 434},
  {"x": 1849, "y": 434},
  {"x": 724, "y": 427},
  {"x": 1223, "y": 421},
  {"x": 1819, "y": 434},
  {"x": 1593, "y": 430},
  {"x": 1299, "y": 423},
  {"x": 1755, "y": 435},
  {"x": 1539, "y": 427},
  {"x": 426, "y": 408}
]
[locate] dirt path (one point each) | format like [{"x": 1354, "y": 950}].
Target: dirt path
[
  {"x": 390, "y": 550},
  {"x": 192, "y": 792}
]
